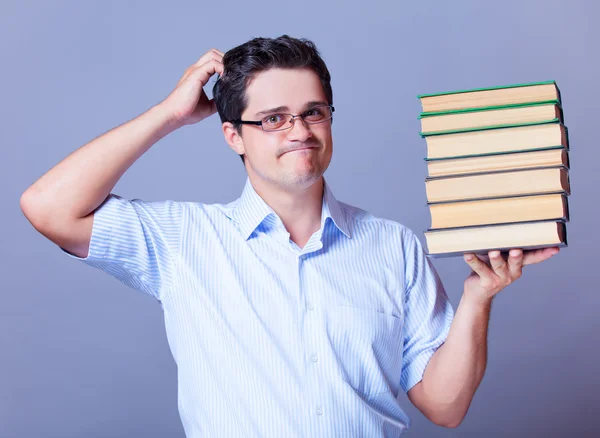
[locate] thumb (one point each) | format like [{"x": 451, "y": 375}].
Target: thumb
[
  {"x": 213, "y": 106},
  {"x": 476, "y": 264}
]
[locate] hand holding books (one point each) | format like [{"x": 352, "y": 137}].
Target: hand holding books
[{"x": 488, "y": 277}]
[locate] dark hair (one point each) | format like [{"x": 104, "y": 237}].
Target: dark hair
[{"x": 243, "y": 62}]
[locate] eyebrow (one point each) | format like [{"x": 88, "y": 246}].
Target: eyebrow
[{"x": 308, "y": 105}]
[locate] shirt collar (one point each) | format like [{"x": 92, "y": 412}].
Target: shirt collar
[
  {"x": 252, "y": 210},
  {"x": 331, "y": 209}
]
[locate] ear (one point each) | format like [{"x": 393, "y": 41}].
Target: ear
[{"x": 233, "y": 139}]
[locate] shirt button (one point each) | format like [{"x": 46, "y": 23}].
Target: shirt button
[
  {"x": 310, "y": 306},
  {"x": 314, "y": 358},
  {"x": 319, "y": 410}
]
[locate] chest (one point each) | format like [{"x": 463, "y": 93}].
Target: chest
[
  {"x": 337, "y": 306},
  {"x": 268, "y": 275}
]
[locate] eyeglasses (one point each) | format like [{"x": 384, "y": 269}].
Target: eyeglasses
[{"x": 280, "y": 122}]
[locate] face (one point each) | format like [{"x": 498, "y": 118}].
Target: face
[{"x": 290, "y": 159}]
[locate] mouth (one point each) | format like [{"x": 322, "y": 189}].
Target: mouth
[{"x": 300, "y": 149}]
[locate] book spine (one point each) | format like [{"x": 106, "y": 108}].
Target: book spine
[
  {"x": 498, "y": 87},
  {"x": 426, "y": 114},
  {"x": 484, "y": 128},
  {"x": 464, "y": 175}
]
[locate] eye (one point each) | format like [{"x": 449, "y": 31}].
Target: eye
[
  {"x": 313, "y": 112},
  {"x": 274, "y": 119}
]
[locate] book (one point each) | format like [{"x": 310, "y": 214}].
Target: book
[
  {"x": 528, "y": 208},
  {"x": 492, "y": 141},
  {"x": 497, "y": 169},
  {"x": 526, "y": 236},
  {"x": 491, "y": 118},
  {"x": 496, "y": 162},
  {"x": 498, "y": 184},
  {"x": 490, "y": 96}
]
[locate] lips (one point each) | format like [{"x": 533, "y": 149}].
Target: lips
[{"x": 300, "y": 149}]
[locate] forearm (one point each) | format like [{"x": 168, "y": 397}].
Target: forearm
[
  {"x": 79, "y": 183},
  {"x": 457, "y": 367}
]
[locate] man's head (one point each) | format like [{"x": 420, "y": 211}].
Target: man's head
[{"x": 288, "y": 75}]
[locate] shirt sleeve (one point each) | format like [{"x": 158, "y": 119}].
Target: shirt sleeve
[
  {"x": 428, "y": 313},
  {"x": 135, "y": 242}
]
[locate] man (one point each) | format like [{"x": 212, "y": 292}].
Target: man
[{"x": 288, "y": 312}]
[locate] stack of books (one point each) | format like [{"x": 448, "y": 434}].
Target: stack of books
[{"x": 497, "y": 169}]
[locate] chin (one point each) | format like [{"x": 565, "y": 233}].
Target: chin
[{"x": 302, "y": 179}]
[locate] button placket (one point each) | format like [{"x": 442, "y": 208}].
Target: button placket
[{"x": 311, "y": 342}]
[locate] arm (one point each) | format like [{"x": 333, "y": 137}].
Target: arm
[
  {"x": 456, "y": 369},
  {"x": 61, "y": 203}
]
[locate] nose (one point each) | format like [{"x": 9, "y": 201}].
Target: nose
[{"x": 299, "y": 130}]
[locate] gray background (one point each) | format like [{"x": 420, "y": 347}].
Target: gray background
[{"x": 84, "y": 356}]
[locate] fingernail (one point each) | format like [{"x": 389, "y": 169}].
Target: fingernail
[{"x": 468, "y": 257}]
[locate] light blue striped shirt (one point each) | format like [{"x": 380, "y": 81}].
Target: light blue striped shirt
[{"x": 274, "y": 340}]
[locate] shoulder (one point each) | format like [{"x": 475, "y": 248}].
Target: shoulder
[
  {"x": 365, "y": 224},
  {"x": 172, "y": 208},
  {"x": 169, "y": 214},
  {"x": 213, "y": 212},
  {"x": 116, "y": 208},
  {"x": 165, "y": 209}
]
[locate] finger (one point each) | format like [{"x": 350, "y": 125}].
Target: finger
[
  {"x": 485, "y": 258},
  {"x": 498, "y": 264},
  {"x": 204, "y": 72},
  {"x": 515, "y": 263},
  {"x": 208, "y": 56},
  {"x": 211, "y": 54},
  {"x": 539, "y": 255},
  {"x": 217, "y": 51},
  {"x": 213, "y": 106},
  {"x": 480, "y": 268}
]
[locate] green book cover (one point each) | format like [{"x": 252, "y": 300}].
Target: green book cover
[
  {"x": 491, "y": 154},
  {"x": 483, "y": 128},
  {"x": 489, "y": 88},
  {"x": 493, "y": 172},
  {"x": 488, "y": 108}
]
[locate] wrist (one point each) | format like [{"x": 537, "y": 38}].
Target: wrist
[
  {"x": 165, "y": 118},
  {"x": 476, "y": 301}
]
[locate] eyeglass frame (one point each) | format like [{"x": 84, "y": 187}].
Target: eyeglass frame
[{"x": 260, "y": 123}]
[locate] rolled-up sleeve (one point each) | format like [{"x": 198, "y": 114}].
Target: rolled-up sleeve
[
  {"x": 135, "y": 241},
  {"x": 428, "y": 313}
]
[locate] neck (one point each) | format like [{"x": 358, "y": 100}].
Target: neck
[{"x": 299, "y": 210}]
